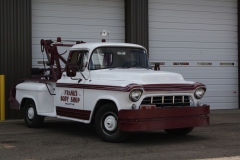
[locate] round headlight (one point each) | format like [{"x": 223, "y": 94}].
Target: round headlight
[
  {"x": 199, "y": 93},
  {"x": 135, "y": 95}
]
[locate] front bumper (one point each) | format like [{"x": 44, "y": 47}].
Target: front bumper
[{"x": 163, "y": 118}]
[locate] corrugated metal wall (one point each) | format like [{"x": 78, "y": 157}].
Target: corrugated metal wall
[{"x": 15, "y": 44}]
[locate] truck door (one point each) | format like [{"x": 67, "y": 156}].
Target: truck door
[{"x": 69, "y": 98}]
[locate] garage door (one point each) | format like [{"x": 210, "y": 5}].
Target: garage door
[
  {"x": 75, "y": 20},
  {"x": 198, "y": 38}
]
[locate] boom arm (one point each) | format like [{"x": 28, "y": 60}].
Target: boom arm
[{"x": 54, "y": 57}]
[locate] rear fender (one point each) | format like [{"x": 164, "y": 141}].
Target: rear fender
[{"x": 39, "y": 93}]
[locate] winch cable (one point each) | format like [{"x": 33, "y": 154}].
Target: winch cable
[{"x": 42, "y": 50}]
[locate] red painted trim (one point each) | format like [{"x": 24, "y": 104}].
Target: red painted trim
[
  {"x": 151, "y": 87},
  {"x": 14, "y": 104},
  {"x": 172, "y": 87},
  {"x": 100, "y": 87},
  {"x": 73, "y": 113},
  {"x": 163, "y": 118}
]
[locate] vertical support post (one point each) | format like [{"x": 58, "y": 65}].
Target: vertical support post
[
  {"x": 15, "y": 28},
  {"x": 238, "y": 13},
  {"x": 2, "y": 98},
  {"x": 136, "y": 22}
]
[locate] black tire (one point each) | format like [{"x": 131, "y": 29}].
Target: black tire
[
  {"x": 106, "y": 121},
  {"x": 179, "y": 131},
  {"x": 32, "y": 119}
]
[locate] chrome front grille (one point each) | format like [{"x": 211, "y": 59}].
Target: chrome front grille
[{"x": 167, "y": 101}]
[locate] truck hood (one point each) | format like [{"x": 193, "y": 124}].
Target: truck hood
[{"x": 140, "y": 76}]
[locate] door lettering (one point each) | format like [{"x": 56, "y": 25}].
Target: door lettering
[{"x": 70, "y": 96}]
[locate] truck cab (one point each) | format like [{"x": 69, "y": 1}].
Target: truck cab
[{"x": 113, "y": 86}]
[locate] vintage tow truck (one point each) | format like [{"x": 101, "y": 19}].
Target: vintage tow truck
[{"x": 111, "y": 85}]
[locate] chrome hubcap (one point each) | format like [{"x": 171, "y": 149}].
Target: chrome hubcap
[
  {"x": 110, "y": 123},
  {"x": 30, "y": 113}
]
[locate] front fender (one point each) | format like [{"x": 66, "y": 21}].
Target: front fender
[{"x": 110, "y": 98}]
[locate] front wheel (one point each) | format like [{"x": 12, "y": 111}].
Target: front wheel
[
  {"x": 106, "y": 124},
  {"x": 32, "y": 119},
  {"x": 179, "y": 131}
]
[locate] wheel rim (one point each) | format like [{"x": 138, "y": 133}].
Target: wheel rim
[
  {"x": 30, "y": 113},
  {"x": 110, "y": 123}
]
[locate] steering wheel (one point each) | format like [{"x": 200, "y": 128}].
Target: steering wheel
[{"x": 131, "y": 64}]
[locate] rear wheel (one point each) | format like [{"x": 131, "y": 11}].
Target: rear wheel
[
  {"x": 32, "y": 119},
  {"x": 106, "y": 124},
  {"x": 179, "y": 131}
]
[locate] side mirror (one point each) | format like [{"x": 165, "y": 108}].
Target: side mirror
[
  {"x": 71, "y": 71},
  {"x": 157, "y": 67}
]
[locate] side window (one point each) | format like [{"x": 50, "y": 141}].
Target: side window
[
  {"x": 82, "y": 60},
  {"x": 79, "y": 59},
  {"x": 73, "y": 58}
]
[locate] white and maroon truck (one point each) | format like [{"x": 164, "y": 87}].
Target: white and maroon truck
[{"x": 111, "y": 85}]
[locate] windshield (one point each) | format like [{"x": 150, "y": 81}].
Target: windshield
[{"x": 118, "y": 57}]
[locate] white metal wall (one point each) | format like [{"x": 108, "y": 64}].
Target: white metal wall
[
  {"x": 75, "y": 19},
  {"x": 198, "y": 38}
]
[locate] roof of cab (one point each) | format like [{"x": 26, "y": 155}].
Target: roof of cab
[{"x": 92, "y": 46}]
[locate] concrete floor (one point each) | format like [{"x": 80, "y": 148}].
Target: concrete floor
[{"x": 66, "y": 140}]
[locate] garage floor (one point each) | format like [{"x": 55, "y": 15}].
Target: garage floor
[{"x": 63, "y": 140}]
